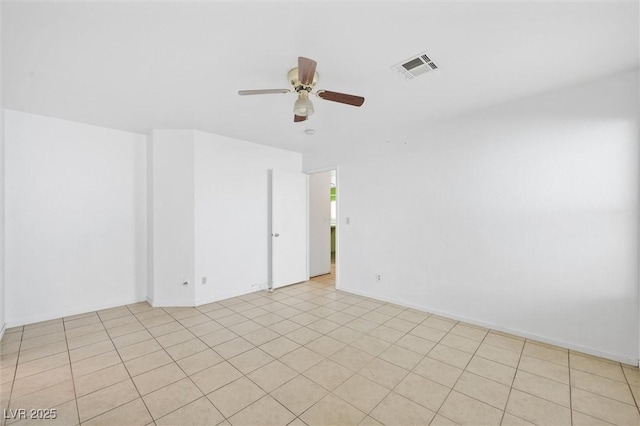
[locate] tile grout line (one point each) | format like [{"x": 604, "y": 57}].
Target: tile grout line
[
  {"x": 211, "y": 348},
  {"x": 630, "y": 388},
  {"x": 122, "y": 361},
  {"x": 15, "y": 374},
  {"x": 298, "y": 374},
  {"x": 406, "y": 333},
  {"x": 601, "y": 396},
  {"x": 123, "y": 365},
  {"x": 153, "y": 420},
  {"x": 570, "y": 387},
  {"x": 463, "y": 370},
  {"x": 204, "y": 395},
  {"x": 246, "y": 375},
  {"x": 73, "y": 382},
  {"x": 515, "y": 374},
  {"x": 409, "y": 371},
  {"x": 111, "y": 339},
  {"x": 307, "y": 300},
  {"x": 533, "y": 374},
  {"x": 327, "y": 392}
]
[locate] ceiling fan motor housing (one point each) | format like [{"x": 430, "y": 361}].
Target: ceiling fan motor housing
[{"x": 297, "y": 85}]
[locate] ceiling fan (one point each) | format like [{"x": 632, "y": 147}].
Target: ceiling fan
[{"x": 302, "y": 80}]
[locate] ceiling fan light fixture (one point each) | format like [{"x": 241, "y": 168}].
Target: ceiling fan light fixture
[
  {"x": 303, "y": 106},
  {"x": 303, "y": 79}
]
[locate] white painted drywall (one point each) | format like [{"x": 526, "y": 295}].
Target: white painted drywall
[
  {"x": 173, "y": 212},
  {"x": 75, "y": 217},
  {"x": 209, "y": 215},
  {"x": 231, "y": 211},
  {"x": 150, "y": 198},
  {"x": 319, "y": 223},
  {"x": 522, "y": 217},
  {"x": 2, "y": 232}
]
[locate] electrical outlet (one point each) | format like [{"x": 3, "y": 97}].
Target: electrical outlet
[
  {"x": 204, "y": 280},
  {"x": 379, "y": 277}
]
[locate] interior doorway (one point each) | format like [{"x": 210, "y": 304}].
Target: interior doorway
[
  {"x": 323, "y": 232},
  {"x": 288, "y": 226}
]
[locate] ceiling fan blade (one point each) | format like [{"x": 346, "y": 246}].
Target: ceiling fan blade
[
  {"x": 298, "y": 118},
  {"x": 306, "y": 70},
  {"x": 342, "y": 98},
  {"x": 262, "y": 91}
]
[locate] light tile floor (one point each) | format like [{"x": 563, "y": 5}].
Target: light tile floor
[{"x": 307, "y": 354}]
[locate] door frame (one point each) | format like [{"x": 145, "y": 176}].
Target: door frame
[{"x": 338, "y": 248}]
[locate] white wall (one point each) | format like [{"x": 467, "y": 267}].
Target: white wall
[
  {"x": 173, "y": 210},
  {"x": 522, "y": 217},
  {"x": 231, "y": 211},
  {"x": 150, "y": 198},
  {"x": 75, "y": 217},
  {"x": 319, "y": 223},
  {"x": 210, "y": 215},
  {"x": 2, "y": 179}
]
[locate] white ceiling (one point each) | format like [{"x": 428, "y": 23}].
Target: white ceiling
[{"x": 144, "y": 65}]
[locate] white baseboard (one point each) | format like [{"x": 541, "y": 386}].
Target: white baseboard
[
  {"x": 590, "y": 351},
  {"x": 226, "y": 296},
  {"x": 62, "y": 314},
  {"x": 4, "y": 327},
  {"x": 170, "y": 304}
]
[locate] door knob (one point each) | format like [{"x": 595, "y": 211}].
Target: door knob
[{"x": 276, "y": 234}]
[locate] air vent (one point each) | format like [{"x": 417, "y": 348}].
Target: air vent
[{"x": 415, "y": 66}]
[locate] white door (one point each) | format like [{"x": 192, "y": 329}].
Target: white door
[
  {"x": 288, "y": 228},
  {"x": 319, "y": 224}
]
